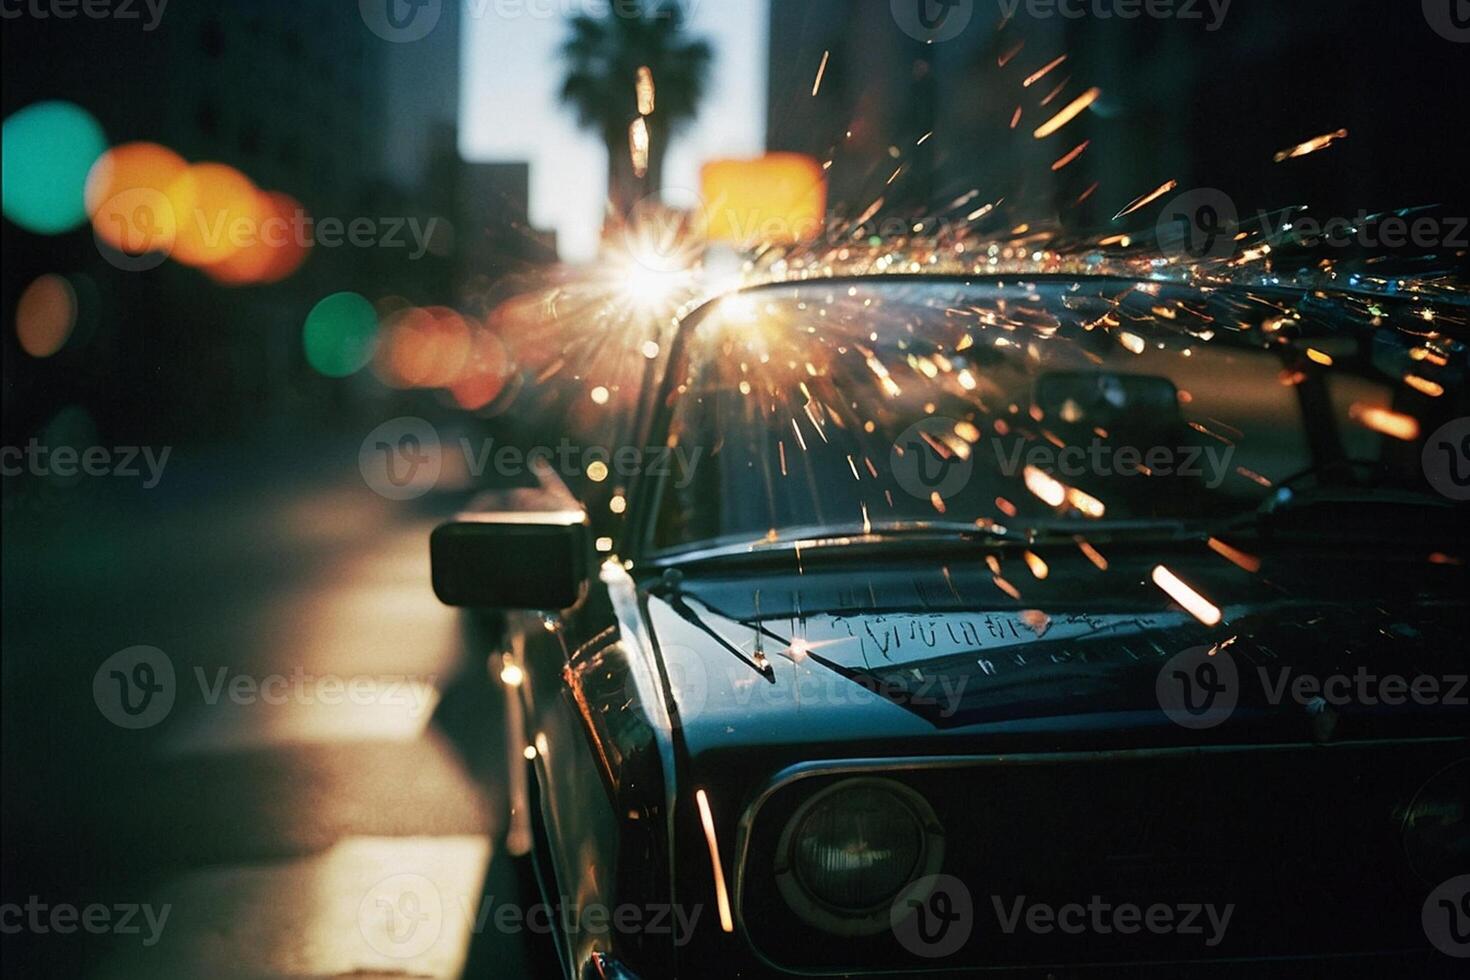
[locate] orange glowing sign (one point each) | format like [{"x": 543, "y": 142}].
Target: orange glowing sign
[{"x": 780, "y": 198}]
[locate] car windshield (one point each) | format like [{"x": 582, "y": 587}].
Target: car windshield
[{"x": 848, "y": 408}]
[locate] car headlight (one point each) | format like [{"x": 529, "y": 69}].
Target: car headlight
[{"x": 853, "y": 849}]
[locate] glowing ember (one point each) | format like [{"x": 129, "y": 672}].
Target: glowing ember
[
  {"x": 1048, "y": 490},
  {"x": 1246, "y": 561},
  {"x": 1093, "y": 555},
  {"x": 645, "y": 91},
  {"x": 638, "y": 146},
  {"x": 1310, "y": 146},
  {"x": 1147, "y": 199},
  {"x": 1071, "y": 111},
  {"x": 1395, "y": 425},
  {"x": 1424, "y": 386},
  {"x": 1073, "y": 155},
  {"x": 1041, "y": 73},
  {"x": 821, "y": 73},
  {"x": 1197, "y": 605}
]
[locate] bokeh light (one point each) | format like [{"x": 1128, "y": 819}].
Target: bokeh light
[
  {"x": 275, "y": 253},
  {"x": 45, "y": 315},
  {"x": 340, "y": 335},
  {"x": 485, "y": 375},
  {"x": 135, "y": 194},
  {"x": 224, "y": 217},
  {"x": 426, "y": 348},
  {"x": 46, "y": 151}
]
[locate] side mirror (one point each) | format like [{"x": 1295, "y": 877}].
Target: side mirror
[{"x": 525, "y": 549}]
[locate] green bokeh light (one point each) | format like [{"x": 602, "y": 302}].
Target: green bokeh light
[
  {"x": 340, "y": 335},
  {"x": 47, "y": 149}
]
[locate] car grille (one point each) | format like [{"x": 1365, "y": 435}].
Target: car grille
[{"x": 1306, "y": 842}]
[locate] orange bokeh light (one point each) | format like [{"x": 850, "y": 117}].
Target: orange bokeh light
[
  {"x": 45, "y": 316},
  {"x": 485, "y": 374},
  {"x": 135, "y": 195},
  {"x": 277, "y": 251},
  {"x": 223, "y": 218},
  {"x": 425, "y": 348}
]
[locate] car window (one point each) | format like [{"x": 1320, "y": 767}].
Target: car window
[{"x": 846, "y": 409}]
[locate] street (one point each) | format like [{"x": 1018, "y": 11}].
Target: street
[{"x": 328, "y": 730}]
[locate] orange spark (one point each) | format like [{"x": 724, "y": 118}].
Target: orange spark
[
  {"x": 1093, "y": 555},
  {"x": 1197, "y": 605},
  {"x": 1077, "y": 152},
  {"x": 645, "y": 91},
  {"x": 1246, "y": 561},
  {"x": 1424, "y": 386},
  {"x": 1041, "y": 73},
  {"x": 1074, "y": 109},
  {"x": 1310, "y": 146},
  {"x": 1395, "y": 425},
  {"x": 821, "y": 73},
  {"x": 1047, "y": 490},
  {"x": 1147, "y": 199}
]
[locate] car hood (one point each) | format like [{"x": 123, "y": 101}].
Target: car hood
[{"x": 922, "y": 656}]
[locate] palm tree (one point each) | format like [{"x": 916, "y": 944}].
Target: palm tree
[{"x": 603, "y": 58}]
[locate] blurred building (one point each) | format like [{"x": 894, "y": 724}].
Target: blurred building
[{"x": 1190, "y": 99}]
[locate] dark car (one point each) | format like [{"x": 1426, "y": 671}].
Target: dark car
[{"x": 1049, "y": 623}]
